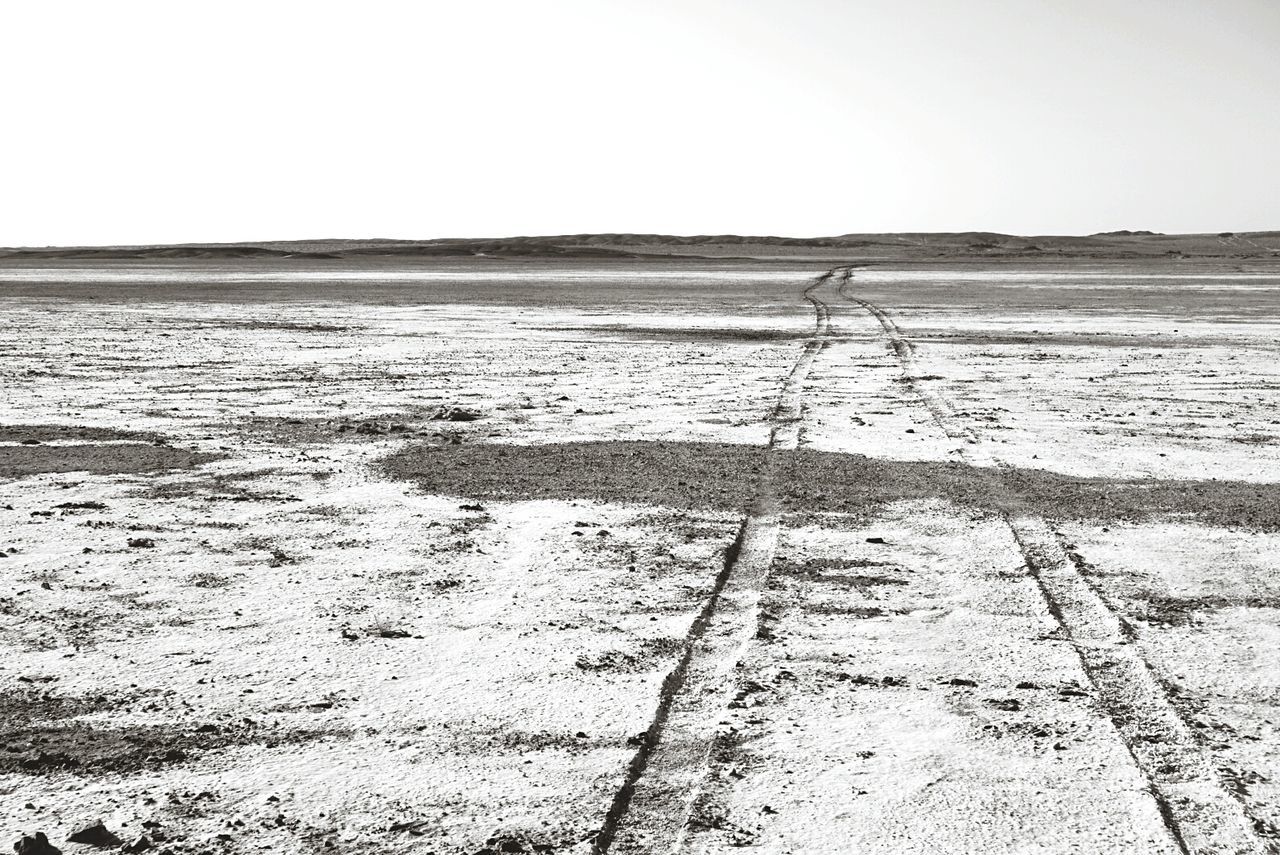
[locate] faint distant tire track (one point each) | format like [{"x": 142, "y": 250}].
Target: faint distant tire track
[
  {"x": 1201, "y": 814},
  {"x": 649, "y": 811}
]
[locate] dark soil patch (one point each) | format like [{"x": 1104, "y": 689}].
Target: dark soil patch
[
  {"x": 111, "y": 458},
  {"x": 856, "y": 612},
  {"x": 670, "y": 474},
  {"x": 724, "y": 477},
  {"x": 221, "y": 487},
  {"x": 37, "y": 736},
  {"x": 828, "y": 571},
  {"x": 287, "y": 326},
  {"x": 287, "y": 429},
  {"x": 1062, "y": 339},
  {"x": 687, "y": 334},
  {"x": 652, "y": 653},
  {"x": 1180, "y": 611},
  {"x": 55, "y": 433}
]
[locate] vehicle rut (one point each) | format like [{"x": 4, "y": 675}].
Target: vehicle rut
[
  {"x": 649, "y": 811},
  {"x": 1201, "y": 814}
]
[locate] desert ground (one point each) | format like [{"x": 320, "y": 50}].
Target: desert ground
[{"x": 797, "y": 553}]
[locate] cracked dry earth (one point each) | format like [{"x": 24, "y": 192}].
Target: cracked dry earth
[{"x": 642, "y": 557}]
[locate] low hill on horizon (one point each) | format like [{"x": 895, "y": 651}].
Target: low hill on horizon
[{"x": 896, "y": 245}]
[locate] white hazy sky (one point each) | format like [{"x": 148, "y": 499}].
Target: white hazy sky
[{"x": 140, "y": 122}]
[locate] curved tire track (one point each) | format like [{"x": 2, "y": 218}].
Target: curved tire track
[
  {"x": 649, "y": 811},
  {"x": 1201, "y": 814}
]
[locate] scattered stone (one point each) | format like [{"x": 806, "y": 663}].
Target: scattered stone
[
  {"x": 95, "y": 835},
  {"x": 82, "y": 506},
  {"x": 471, "y": 507},
  {"x": 961, "y": 681},
  {"x": 279, "y": 558},
  {"x": 501, "y": 845},
  {"x": 139, "y": 844},
  {"x": 1006, "y": 704},
  {"x": 393, "y": 633},
  {"x": 455, "y": 414},
  {"x": 141, "y": 543},
  {"x": 37, "y": 845}
]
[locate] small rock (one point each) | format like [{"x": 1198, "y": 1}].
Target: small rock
[
  {"x": 137, "y": 844},
  {"x": 393, "y": 633},
  {"x": 95, "y": 835},
  {"x": 961, "y": 681},
  {"x": 875, "y": 540},
  {"x": 141, "y": 543},
  {"x": 471, "y": 507},
  {"x": 37, "y": 845}
]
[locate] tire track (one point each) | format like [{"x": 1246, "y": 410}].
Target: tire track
[
  {"x": 1201, "y": 814},
  {"x": 649, "y": 810},
  {"x": 940, "y": 408}
]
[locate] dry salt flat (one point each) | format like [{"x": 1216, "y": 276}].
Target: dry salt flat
[{"x": 564, "y": 557}]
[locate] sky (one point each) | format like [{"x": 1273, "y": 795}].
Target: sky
[{"x": 161, "y": 122}]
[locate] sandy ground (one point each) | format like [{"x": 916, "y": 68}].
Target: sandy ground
[{"x": 563, "y": 557}]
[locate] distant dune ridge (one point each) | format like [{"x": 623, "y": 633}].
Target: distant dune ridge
[{"x": 1115, "y": 244}]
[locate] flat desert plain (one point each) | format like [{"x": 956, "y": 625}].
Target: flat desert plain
[{"x": 641, "y": 556}]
